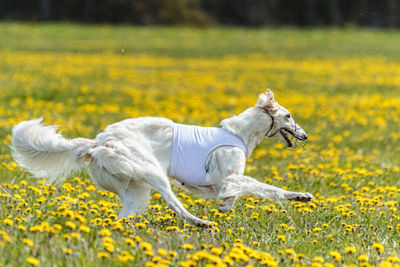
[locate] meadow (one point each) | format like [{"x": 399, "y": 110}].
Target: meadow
[{"x": 341, "y": 86}]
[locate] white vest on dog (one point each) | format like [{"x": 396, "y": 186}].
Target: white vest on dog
[{"x": 192, "y": 145}]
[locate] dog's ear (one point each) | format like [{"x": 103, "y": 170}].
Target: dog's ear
[{"x": 267, "y": 101}]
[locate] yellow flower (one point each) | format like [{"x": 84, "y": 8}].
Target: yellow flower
[
  {"x": 290, "y": 251},
  {"x": 335, "y": 255},
  {"x": 318, "y": 259},
  {"x": 162, "y": 252},
  {"x": 156, "y": 196},
  {"x": 8, "y": 222},
  {"x": 124, "y": 257},
  {"x": 75, "y": 235},
  {"x": 217, "y": 251},
  {"x": 103, "y": 255},
  {"x": 68, "y": 251},
  {"x": 146, "y": 246},
  {"x": 105, "y": 232},
  {"x": 28, "y": 242},
  {"x": 70, "y": 224},
  {"x": 350, "y": 250},
  {"x": 363, "y": 258},
  {"x": 108, "y": 246},
  {"x": 378, "y": 247},
  {"x": 130, "y": 242},
  {"x": 281, "y": 238},
  {"x": 21, "y": 227},
  {"x": 84, "y": 228},
  {"x": 33, "y": 261},
  {"x": 140, "y": 225},
  {"x": 188, "y": 246}
]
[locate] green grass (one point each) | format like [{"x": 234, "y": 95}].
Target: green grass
[{"x": 198, "y": 42}]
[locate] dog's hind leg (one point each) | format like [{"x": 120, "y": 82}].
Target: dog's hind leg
[
  {"x": 135, "y": 199},
  {"x": 161, "y": 184},
  {"x": 134, "y": 196},
  {"x": 240, "y": 185}
]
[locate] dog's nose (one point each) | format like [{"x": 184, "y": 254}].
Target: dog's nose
[{"x": 305, "y": 136}]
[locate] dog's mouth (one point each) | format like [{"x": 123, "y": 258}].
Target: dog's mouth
[
  {"x": 292, "y": 140},
  {"x": 285, "y": 136}
]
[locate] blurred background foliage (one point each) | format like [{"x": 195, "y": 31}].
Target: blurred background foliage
[{"x": 370, "y": 13}]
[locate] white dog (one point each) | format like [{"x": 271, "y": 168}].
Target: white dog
[{"x": 133, "y": 156}]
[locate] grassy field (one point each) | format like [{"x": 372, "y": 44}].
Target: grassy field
[{"x": 342, "y": 87}]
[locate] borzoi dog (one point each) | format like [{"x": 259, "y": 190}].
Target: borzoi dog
[{"x": 133, "y": 156}]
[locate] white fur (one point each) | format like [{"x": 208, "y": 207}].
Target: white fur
[{"x": 133, "y": 156}]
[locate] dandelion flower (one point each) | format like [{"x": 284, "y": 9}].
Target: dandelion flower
[
  {"x": 103, "y": 255},
  {"x": 33, "y": 261},
  {"x": 28, "y": 242},
  {"x": 363, "y": 258},
  {"x": 378, "y": 247}
]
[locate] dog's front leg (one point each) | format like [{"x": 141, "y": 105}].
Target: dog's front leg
[
  {"x": 227, "y": 204},
  {"x": 161, "y": 184},
  {"x": 240, "y": 185}
]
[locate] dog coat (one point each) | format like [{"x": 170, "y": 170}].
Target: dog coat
[{"x": 192, "y": 145}]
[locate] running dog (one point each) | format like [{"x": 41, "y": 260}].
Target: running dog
[{"x": 133, "y": 156}]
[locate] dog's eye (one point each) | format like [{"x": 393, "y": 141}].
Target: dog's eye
[{"x": 288, "y": 116}]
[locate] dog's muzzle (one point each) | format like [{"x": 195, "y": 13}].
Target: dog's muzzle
[{"x": 294, "y": 139}]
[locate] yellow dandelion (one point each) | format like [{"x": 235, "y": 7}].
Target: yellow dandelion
[
  {"x": 70, "y": 225},
  {"x": 21, "y": 227},
  {"x": 350, "y": 250},
  {"x": 8, "y": 222},
  {"x": 28, "y": 242},
  {"x": 335, "y": 255},
  {"x": 130, "y": 242},
  {"x": 162, "y": 252},
  {"x": 281, "y": 238},
  {"x": 188, "y": 246},
  {"x": 105, "y": 232},
  {"x": 103, "y": 255},
  {"x": 33, "y": 261},
  {"x": 290, "y": 251},
  {"x": 318, "y": 259},
  {"x": 378, "y": 247},
  {"x": 67, "y": 251},
  {"x": 108, "y": 246},
  {"x": 75, "y": 235},
  {"x": 146, "y": 246},
  {"x": 84, "y": 228},
  {"x": 140, "y": 225},
  {"x": 217, "y": 251},
  {"x": 362, "y": 258}
]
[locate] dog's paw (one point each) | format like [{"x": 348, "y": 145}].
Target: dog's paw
[
  {"x": 226, "y": 204},
  {"x": 302, "y": 197},
  {"x": 206, "y": 224},
  {"x": 224, "y": 207}
]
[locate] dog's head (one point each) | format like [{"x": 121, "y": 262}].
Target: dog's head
[{"x": 278, "y": 121}]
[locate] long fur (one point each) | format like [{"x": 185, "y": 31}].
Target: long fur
[
  {"x": 46, "y": 153},
  {"x": 133, "y": 156}
]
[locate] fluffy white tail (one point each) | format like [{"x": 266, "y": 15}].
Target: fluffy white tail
[{"x": 46, "y": 153}]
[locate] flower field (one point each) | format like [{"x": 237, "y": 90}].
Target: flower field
[{"x": 342, "y": 87}]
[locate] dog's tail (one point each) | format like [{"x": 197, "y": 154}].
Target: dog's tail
[{"x": 46, "y": 153}]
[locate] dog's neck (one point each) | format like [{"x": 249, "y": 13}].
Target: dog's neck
[{"x": 246, "y": 127}]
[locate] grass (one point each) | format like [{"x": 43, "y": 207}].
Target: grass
[{"x": 342, "y": 87}]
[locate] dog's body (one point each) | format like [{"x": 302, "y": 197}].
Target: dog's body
[{"x": 133, "y": 156}]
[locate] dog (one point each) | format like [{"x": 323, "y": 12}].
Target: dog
[{"x": 131, "y": 157}]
